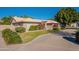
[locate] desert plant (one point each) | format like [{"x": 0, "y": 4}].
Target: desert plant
[
  {"x": 11, "y": 37},
  {"x": 20, "y": 29}
]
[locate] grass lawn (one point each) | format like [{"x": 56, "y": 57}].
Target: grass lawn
[{"x": 28, "y": 36}]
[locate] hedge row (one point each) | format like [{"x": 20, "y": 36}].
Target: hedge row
[{"x": 34, "y": 27}]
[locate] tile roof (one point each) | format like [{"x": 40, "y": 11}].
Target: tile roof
[{"x": 20, "y": 19}]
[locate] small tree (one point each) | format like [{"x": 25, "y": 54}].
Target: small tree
[
  {"x": 6, "y": 20},
  {"x": 67, "y": 16}
]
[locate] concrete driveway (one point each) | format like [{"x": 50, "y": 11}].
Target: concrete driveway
[{"x": 60, "y": 41}]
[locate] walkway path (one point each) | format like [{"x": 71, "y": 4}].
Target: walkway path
[
  {"x": 49, "y": 42},
  {"x": 2, "y": 43}
]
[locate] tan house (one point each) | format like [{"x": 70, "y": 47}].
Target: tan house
[{"x": 27, "y": 22}]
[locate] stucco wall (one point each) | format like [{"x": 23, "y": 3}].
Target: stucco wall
[
  {"x": 2, "y": 27},
  {"x": 27, "y": 25}
]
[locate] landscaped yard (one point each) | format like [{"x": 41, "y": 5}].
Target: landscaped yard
[{"x": 28, "y": 36}]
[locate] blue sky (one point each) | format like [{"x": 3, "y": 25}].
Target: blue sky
[{"x": 35, "y": 12}]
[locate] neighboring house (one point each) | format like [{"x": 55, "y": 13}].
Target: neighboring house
[
  {"x": 27, "y": 22},
  {"x": 74, "y": 25},
  {"x": 77, "y": 24}
]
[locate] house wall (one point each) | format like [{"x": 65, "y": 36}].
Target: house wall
[
  {"x": 2, "y": 27},
  {"x": 49, "y": 27},
  {"x": 27, "y": 25}
]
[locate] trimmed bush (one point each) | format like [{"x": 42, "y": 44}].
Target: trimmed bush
[
  {"x": 11, "y": 37},
  {"x": 32, "y": 28},
  {"x": 56, "y": 29},
  {"x": 20, "y": 29}
]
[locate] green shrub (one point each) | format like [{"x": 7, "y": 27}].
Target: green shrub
[
  {"x": 56, "y": 29},
  {"x": 1, "y": 23},
  {"x": 20, "y": 29},
  {"x": 11, "y": 37},
  {"x": 63, "y": 28},
  {"x": 32, "y": 28},
  {"x": 6, "y": 20}
]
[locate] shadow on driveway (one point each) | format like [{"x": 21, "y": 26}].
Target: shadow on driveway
[
  {"x": 71, "y": 39},
  {"x": 68, "y": 36}
]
